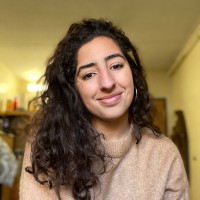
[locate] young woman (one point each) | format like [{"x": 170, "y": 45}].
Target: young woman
[{"x": 93, "y": 137}]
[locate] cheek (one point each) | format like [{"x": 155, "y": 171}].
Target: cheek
[
  {"x": 131, "y": 85},
  {"x": 126, "y": 80},
  {"x": 128, "y": 83},
  {"x": 86, "y": 92}
]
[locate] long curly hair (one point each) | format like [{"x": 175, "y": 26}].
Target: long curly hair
[{"x": 66, "y": 146}]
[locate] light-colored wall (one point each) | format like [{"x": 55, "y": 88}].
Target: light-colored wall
[
  {"x": 186, "y": 96},
  {"x": 8, "y": 85}
]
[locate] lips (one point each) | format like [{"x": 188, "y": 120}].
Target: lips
[{"x": 110, "y": 100}]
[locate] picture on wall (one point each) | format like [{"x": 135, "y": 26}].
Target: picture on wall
[{"x": 158, "y": 109}]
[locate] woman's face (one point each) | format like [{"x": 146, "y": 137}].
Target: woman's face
[{"x": 104, "y": 79}]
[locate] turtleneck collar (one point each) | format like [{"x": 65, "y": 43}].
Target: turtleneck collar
[{"x": 118, "y": 148}]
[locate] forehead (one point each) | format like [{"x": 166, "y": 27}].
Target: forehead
[{"x": 98, "y": 47}]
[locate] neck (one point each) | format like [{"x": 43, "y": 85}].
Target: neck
[{"x": 113, "y": 129}]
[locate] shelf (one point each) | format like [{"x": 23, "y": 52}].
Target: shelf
[{"x": 16, "y": 113}]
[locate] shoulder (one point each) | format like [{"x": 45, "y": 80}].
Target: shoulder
[
  {"x": 158, "y": 149},
  {"x": 29, "y": 187},
  {"x": 162, "y": 159},
  {"x": 160, "y": 143},
  {"x": 161, "y": 152}
]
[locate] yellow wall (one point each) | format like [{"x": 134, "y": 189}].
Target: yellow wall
[
  {"x": 10, "y": 86},
  {"x": 186, "y": 96}
]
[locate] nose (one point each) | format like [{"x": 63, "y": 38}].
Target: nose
[{"x": 107, "y": 81}]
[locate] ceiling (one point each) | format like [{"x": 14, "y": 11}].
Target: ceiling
[{"x": 30, "y": 29}]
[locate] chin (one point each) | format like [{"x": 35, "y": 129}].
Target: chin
[{"x": 112, "y": 116}]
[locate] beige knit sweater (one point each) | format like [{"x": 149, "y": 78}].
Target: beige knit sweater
[{"x": 150, "y": 170}]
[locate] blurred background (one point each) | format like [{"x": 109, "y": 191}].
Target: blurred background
[{"x": 166, "y": 34}]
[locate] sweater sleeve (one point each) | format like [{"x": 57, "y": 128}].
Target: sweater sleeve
[
  {"x": 29, "y": 188},
  {"x": 177, "y": 183}
]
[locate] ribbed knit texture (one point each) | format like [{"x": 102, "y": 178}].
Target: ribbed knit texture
[{"x": 150, "y": 170}]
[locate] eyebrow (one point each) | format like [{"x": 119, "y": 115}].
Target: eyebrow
[
  {"x": 107, "y": 58},
  {"x": 114, "y": 56}
]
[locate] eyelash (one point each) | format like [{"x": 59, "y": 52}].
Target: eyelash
[
  {"x": 119, "y": 66},
  {"x": 91, "y": 74},
  {"x": 85, "y": 77}
]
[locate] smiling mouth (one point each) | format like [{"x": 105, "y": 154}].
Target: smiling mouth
[{"x": 110, "y": 100}]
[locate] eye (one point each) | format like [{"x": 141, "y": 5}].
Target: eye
[
  {"x": 116, "y": 66},
  {"x": 88, "y": 76}
]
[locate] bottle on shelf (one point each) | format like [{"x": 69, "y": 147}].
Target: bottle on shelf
[{"x": 15, "y": 103}]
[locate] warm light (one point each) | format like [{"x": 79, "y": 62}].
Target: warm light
[
  {"x": 32, "y": 75},
  {"x": 34, "y": 87},
  {"x": 4, "y": 88}
]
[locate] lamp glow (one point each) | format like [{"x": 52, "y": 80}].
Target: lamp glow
[
  {"x": 34, "y": 87},
  {"x": 4, "y": 88}
]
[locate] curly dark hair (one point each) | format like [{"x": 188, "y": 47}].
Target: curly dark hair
[{"x": 65, "y": 145}]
